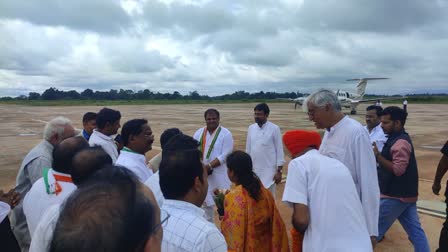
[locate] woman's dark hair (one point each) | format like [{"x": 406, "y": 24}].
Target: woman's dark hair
[
  {"x": 109, "y": 212},
  {"x": 241, "y": 164}
]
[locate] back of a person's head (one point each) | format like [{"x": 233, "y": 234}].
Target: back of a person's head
[
  {"x": 88, "y": 161},
  {"x": 262, "y": 107},
  {"x": 107, "y": 115},
  {"x": 321, "y": 98},
  {"x": 167, "y": 135},
  {"x": 240, "y": 163},
  {"x": 111, "y": 212},
  {"x": 64, "y": 152},
  {"x": 378, "y": 109},
  {"x": 180, "y": 165},
  {"x": 396, "y": 114},
  {"x": 56, "y": 126},
  {"x": 89, "y": 116},
  {"x": 132, "y": 127}
]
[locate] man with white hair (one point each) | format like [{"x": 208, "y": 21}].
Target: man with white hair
[
  {"x": 40, "y": 157},
  {"x": 346, "y": 140}
]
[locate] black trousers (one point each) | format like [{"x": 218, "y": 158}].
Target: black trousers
[
  {"x": 443, "y": 241},
  {"x": 9, "y": 242}
]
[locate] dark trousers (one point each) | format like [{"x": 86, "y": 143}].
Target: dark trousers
[
  {"x": 9, "y": 242},
  {"x": 443, "y": 241}
]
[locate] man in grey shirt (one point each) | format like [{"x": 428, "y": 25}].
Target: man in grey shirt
[{"x": 40, "y": 157}]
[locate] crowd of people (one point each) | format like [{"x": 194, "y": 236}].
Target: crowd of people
[{"x": 95, "y": 190}]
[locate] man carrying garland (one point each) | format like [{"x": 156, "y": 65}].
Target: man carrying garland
[{"x": 216, "y": 142}]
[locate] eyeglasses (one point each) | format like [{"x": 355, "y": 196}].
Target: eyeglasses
[{"x": 157, "y": 226}]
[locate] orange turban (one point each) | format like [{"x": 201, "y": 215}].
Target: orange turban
[{"x": 298, "y": 140}]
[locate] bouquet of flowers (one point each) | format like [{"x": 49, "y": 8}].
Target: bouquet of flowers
[{"x": 218, "y": 197}]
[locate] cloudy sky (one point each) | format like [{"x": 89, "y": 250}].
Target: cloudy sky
[{"x": 222, "y": 46}]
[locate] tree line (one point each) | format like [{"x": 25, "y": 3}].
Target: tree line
[{"x": 122, "y": 94}]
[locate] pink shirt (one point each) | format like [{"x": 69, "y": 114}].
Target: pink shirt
[{"x": 401, "y": 154}]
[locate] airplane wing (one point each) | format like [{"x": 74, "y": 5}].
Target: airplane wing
[
  {"x": 377, "y": 99},
  {"x": 359, "y": 79}
]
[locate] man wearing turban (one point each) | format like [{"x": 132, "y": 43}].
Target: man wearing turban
[{"x": 321, "y": 191}]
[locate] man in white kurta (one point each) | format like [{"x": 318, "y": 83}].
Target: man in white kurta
[
  {"x": 216, "y": 144},
  {"x": 347, "y": 141},
  {"x": 38, "y": 199},
  {"x": 137, "y": 139},
  {"x": 56, "y": 183},
  {"x": 264, "y": 145},
  {"x": 106, "y": 142},
  {"x": 373, "y": 126},
  {"x": 107, "y": 123},
  {"x": 325, "y": 186}
]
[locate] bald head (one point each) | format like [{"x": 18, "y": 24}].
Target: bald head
[
  {"x": 87, "y": 161},
  {"x": 64, "y": 152}
]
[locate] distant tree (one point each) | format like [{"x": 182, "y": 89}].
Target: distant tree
[
  {"x": 72, "y": 94},
  {"x": 52, "y": 94},
  {"x": 87, "y": 94},
  {"x": 33, "y": 96},
  {"x": 195, "y": 95}
]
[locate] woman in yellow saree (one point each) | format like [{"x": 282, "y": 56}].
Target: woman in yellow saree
[{"x": 251, "y": 220}]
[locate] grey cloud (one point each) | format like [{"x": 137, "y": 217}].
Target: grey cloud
[
  {"x": 129, "y": 56},
  {"x": 30, "y": 50},
  {"x": 103, "y": 16},
  {"x": 192, "y": 18},
  {"x": 370, "y": 16}
]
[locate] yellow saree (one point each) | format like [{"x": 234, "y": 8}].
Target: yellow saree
[{"x": 250, "y": 225}]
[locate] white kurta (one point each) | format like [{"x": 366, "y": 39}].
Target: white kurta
[
  {"x": 222, "y": 148},
  {"x": 135, "y": 162},
  {"x": 107, "y": 142},
  {"x": 37, "y": 200},
  {"x": 4, "y": 210},
  {"x": 43, "y": 235},
  {"x": 153, "y": 183},
  {"x": 325, "y": 185},
  {"x": 265, "y": 147},
  {"x": 348, "y": 142},
  {"x": 377, "y": 136}
]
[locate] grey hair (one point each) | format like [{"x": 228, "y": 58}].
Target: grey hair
[
  {"x": 56, "y": 126},
  {"x": 321, "y": 98}
]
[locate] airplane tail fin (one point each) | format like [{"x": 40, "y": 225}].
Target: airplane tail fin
[{"x": 361, "y": 88}]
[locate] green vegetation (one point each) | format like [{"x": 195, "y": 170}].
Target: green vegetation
[{"x": 55, "y": 97}]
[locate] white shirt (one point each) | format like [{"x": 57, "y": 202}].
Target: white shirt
[
  {"x": 348, "y": 142},
  {"x": 187, "y": 230},
  {"x": 265, "y": 147},
  {"x": 325, "y": 185},
  {"x": 154, "y": 185},
  {"x": 107, "y": 142},
  {"x": 222, "y": 148},
  {"x": 377, "y": 136},
  {"x": 4, "y": 210},
  {"x": 135, "y": 162},
  {"x": 37, "y": 201},
  {"x": 43, "y": 235}
]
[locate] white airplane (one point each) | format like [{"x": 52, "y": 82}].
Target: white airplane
[{"x": 348, "y": 99}]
